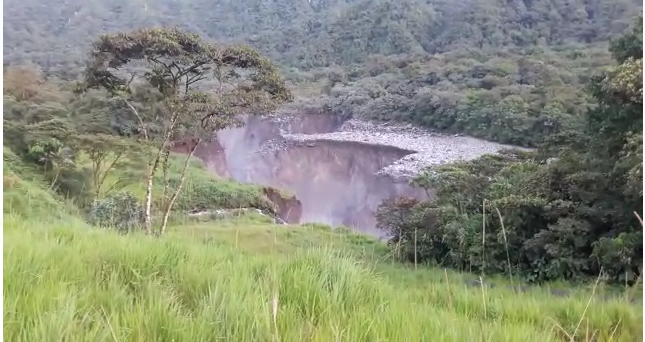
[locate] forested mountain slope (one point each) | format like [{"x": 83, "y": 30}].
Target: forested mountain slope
[
  {"x": 244, "y": 279},
  {"x": 509, "y": 71},
  {"x": 55, "y": 33}
]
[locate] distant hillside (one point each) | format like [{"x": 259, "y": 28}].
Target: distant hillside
[
  {"x": 511, "y": 71},
  {"x": 306, "y": 33}
]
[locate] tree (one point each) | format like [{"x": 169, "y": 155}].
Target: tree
[
  {"x": 22, "y": 82},
  {"x": 104, "y": 152},
  {"x": 202, "y": 88},
  {"x": 563, "y": 211},
  {"x": 93, "y": 118}
]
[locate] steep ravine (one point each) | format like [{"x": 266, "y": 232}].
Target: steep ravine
[{"x": 339, "y": 180}]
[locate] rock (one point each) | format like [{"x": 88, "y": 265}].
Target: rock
[
  {"x": 426, "y": 148},
  {"x": 288, "y": 208}
]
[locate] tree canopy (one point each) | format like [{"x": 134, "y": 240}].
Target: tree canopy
[
  {"x": 508, "y": 71},
  {"x": 553, "y": 213},
  {"x": 174, "y": 63}
]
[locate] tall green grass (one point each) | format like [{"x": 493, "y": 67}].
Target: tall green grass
[
  {"x": 244, "y": 279},
  {"x": 64, "y": 281},
  {"x": 27, "y": 193}
]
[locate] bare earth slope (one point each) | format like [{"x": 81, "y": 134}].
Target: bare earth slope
[{"x": 340, "y": 170}]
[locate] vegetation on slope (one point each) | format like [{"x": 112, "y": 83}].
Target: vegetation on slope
[
  {"x": 563, "y": 211},
  {"x": 244, "y": 281},
  {"x": 25, "y": 190},
  {"x": 78, "y": 147},
  {"x": 318, "y": 32},
  {"x": 509, "y": 71}
]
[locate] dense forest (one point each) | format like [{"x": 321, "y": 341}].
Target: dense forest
[
  {"x": 509, "y": 71},
  {"x": 305, "y": 34},
  {"x": 561, "y": 76},
  {"x": 566, "y": 210}
]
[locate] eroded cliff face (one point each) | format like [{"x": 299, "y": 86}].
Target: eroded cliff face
[
  {"x": 286, "y": 207},
  {"x": 212, "y": 154},
  {"x": 339, "y": 171},
  {"x": 336, "y": 182}
]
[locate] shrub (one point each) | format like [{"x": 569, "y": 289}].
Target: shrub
[
  {"x": 121, "y": 211},
  {"x": 74, "y": 184},
  {"x": 503, "y": 214}
]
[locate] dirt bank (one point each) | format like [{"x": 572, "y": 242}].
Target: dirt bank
[{"x": 339, "y": 170}]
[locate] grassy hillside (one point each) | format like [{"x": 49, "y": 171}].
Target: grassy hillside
[
  {"x": 242, "y": 280},
  {"x": 25, "y": 191},
  {"x": 202, "y": 190},
  {"x": 510, "y": 71}
]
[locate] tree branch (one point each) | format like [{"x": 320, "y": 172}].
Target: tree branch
[
  {"x": 191, "y": 69},
  {"x": 166, "y": 66},
  {"x": 194, "y": 79},
  {"x": 136, "y": 113},
  {"x": 107, "y": 170}
]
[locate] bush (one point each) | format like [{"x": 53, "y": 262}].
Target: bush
[
  {"x": 74, "y": 184},
  {"x": 512, "y": 214},
  {"x": 121, "y": 211}
]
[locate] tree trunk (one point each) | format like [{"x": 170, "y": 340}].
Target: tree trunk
[
  {"x": 152, "y": 168},
  {"x": 166, "y": 178},
  {"x": 151, "y": 175},
  {"x": 166, "y": 215},
  {"x": 99, "y": 177},
  {"x": 150, "y": 183}
]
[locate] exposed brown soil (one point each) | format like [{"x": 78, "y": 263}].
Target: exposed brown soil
[
  {"x": 288, "y": 207},
  {"x": 339, "y": 171},
  {"x": 212, "y": 154},
  {"x": 335, "y": 182}
]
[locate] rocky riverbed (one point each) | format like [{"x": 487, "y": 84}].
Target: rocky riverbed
[{"x": 424, "y": 148}]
